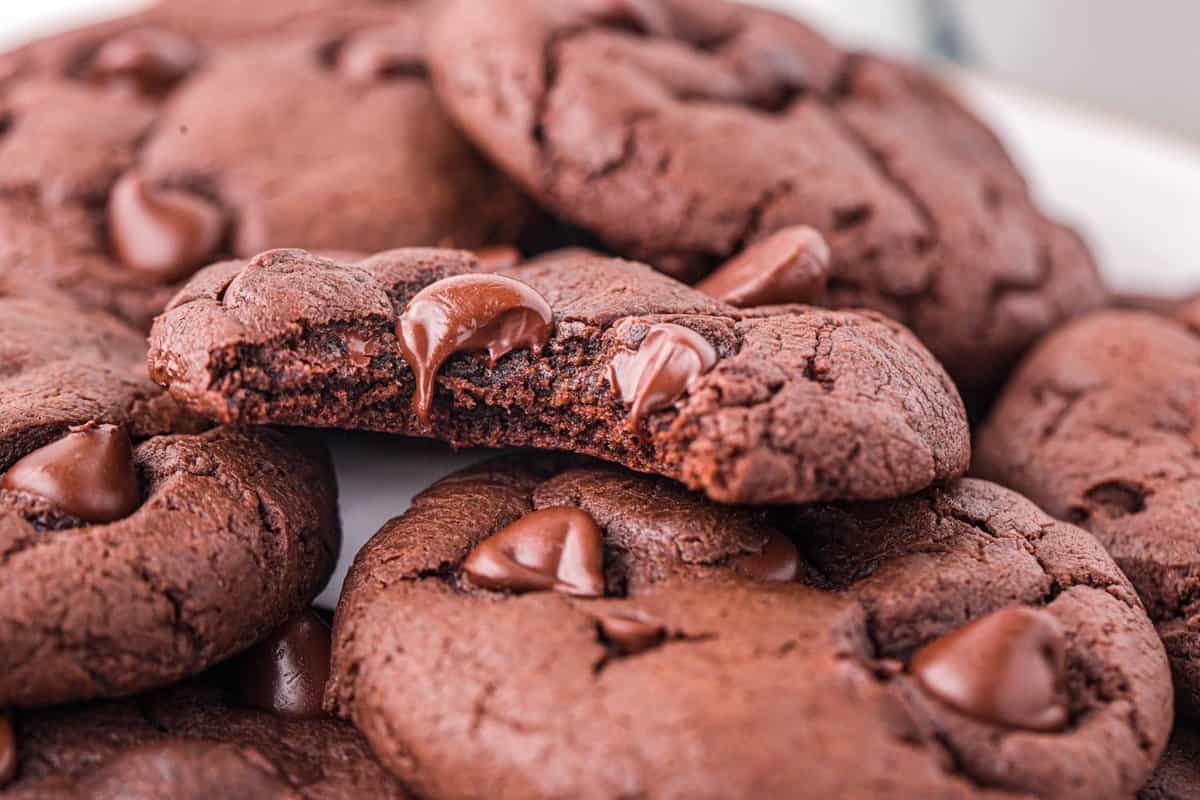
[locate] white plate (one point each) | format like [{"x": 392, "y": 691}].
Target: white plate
[{"x": 1135, "y": 194}]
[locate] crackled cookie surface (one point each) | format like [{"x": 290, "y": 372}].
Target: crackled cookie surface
[
  {"x": 135, "y": 152},
  {"x": 681, "y": 131},
  {"x": 959, "y": 643},
  {"x": 133, "y": 550},
  {"x": 572, "y": 352},
  {"x": 1099, "y": 427},
  {"x": 197, "y": 741}
]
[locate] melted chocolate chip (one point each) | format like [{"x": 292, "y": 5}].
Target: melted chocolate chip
[
  {"x": 360, "y": 351},
  {"x": 8, "y": 750},
  {"x": 630, "y": 635},
  {"x": 151, "y": 60},
  {"x": 370, "y": 58},
  {"x": 1007, "y": 668},
  {"x": 287, "y": 672},
  {"x": 777, "y": 561},
  {"x": 663, "y": 368},
  {"x": 790, "y": 266},
  {"x": 88, "y": 473},
  {"x": 164, "y": 233},
  {"x": 468, "y": 314},
  {"x": 498, "y": 258},
  {"x": 555, "y": 549}
]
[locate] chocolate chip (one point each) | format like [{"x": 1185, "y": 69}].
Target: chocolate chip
[
  {"x": 777, "y": 561},
  {"x": 286, "y": 673},
  {"x": 554, "y": 549},
  {"x": 661, "y": 370},
  {"x": 8, "y": 750},
  {"x": 790, "y": 266},
  {"x": 498, "y": 257},
  {"x": 1007, "y": 668},
  {"x": 628, "y": 634},
  {"x": 150, "y": 59},
  {"x": 165, "y": 233},
  {"x": 469, "y": 314},
  {"x": 371, "y": 58},
  {"x": 88, "y": 473},
  {"x": 359, "y": 352}
]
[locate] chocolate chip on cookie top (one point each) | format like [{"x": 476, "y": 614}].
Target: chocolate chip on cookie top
[
  {"x": 571, "y": 351},
  {"x": 682, "y": 132},
  {"x": 130, "y": 152},
  {"x": 958, "y": 643},
  {"x": 1098, "y": 426},
  {"x": 88, "y": 473},
  {"x": 789, "y": 266},
  {"x": 286, "y": 672}
]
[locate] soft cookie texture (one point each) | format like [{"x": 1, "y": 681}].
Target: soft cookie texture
[
  {"x": 191, "y": 742},
  {"x": 735, "y": 653},
  {"x": 229, "y": 531},
  {"x": 779, "y": 405},
  {"x": 136, "y": 151},
  {"x": 1099, "y": 426},
  {"x": 681, "y": 131}
]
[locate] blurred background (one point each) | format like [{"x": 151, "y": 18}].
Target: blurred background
[{"x": 1097, "y": 100}]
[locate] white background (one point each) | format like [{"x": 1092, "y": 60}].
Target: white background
[{"x": 1134, "y": 192}]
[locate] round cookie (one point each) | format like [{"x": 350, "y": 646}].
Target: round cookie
[
  {"x": 681, "y": 131},
  {"x": 134, "y": 152},
  {"x": 638, "y": 641},
  {"x": 130, "y": 558},
  {"x": 1098, "y": 426},
  {"x": 576, "y": 352},
  {"x": 197, "y": 740}
]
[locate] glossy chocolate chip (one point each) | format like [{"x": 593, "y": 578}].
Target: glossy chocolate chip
[
  {"x": 1008, "y": 668},
  {"x": 88, "y": 473},
  {"x": 555, "y": 549},
  {"x": 777, "y": 561},
  {"x": 628, "y": 634},
  {"x": 287, "y": 672},
  {"x": 661, "y": 370},
  {"x": 469, "y": 314},
  {"x": 164, "y": 233},
  {"x": 790, "y": 266},
  {"x": 391, "y": 55},
  {"x": 151, "y": 60},
  {"x": 498, "y": 258},
  {"x": 8, "y": 750}
]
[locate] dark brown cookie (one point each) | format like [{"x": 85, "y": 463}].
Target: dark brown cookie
[
  {"x": 1099, "y": 426},
  {"x": 137, "y": 151},
  {"x": 198, "y": 740},
  {"x": 1177, "y": 776},
  {"x": 781, "y": 405},
  {"x": 130, "y": 558},
  {"x": 958, "y": 643},
  {"x": 681, "y": 131}
]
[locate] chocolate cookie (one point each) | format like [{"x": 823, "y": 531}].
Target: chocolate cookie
[
  {"x": 681, "y": 131},
  {"x": 199, "y": 740},
  {"x": 130, "y": 558},
  {"x": 1099, "y": 426},
  {"x": 135, "y": 152},
  {"x": 582, "y": 353},
  {"x": 537, "y": 628},
  {"x": 1177, "y": 776}
]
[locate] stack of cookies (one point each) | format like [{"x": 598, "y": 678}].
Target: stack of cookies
[{"x": 727, "y": 286}]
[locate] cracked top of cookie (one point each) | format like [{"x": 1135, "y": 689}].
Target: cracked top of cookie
[
  {"x": 726, "y": 652},
  {"x": 1099, "y": 426},
  {"x": 136, "y": 151},
  {"x": 681, "y": 131},
  {"x": 777, "y": 405},
  {"x": 190, "y": 741}
]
